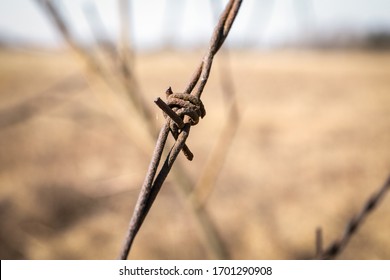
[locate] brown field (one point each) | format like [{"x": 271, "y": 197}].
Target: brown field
[{"x": 311, "y": 147}]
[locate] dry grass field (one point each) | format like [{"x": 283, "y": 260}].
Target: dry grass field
[{"x": 313, "y": 144}]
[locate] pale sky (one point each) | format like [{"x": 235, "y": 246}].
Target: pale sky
[{"x": 190, "y": 22}]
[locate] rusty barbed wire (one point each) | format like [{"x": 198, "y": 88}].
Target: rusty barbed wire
[
  {"x": 153, "y": 183},
  {"x": 120, "y": 80},
  {"x": 209, "y": 175},
  {"x": 337, "y": 246}
]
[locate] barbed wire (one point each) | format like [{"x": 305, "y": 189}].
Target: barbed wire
[
  {"x": 153, "y": 183},
  {"x": 337, "y": 246},
  {"x": 207, "y": 179}
]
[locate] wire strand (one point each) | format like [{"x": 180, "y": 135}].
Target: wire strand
[{"x": 153, "y": 183}]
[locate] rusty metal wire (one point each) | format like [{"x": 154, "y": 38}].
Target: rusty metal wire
[
  {"x": 337, "y": 246},
  {"x": 120, "y": 80},
  {"x": 153, "y": 183},
  {"x": 213, "y": 166}
]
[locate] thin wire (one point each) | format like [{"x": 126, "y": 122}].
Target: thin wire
[
  {"x": 151, "y": 188},
  {"x": 337, "y": 246},
  {"x": 141, "y": 208},
  {"x": 220, "y": 33}
]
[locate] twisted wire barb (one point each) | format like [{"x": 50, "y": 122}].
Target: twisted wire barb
[
  {"x": 152, "y": 184},
  {"x": 337, "y": 246}
]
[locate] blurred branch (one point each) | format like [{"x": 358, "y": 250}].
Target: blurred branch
[
  {"x": 339, "y": 245},
  {"x": 98, "y": 30},
  {"x": 125, "y": 48},
  {"x": 206, "y": 227},
  {"x": 59, "y": 22},
  {"x": 35, "y": 105},
  {"x": 120, "y": 72},
  {"x": 113, "y": 81},
  {"x": 318, "y": 244}
]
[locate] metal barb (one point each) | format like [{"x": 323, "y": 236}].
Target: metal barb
[
  {"x": 178, "y": 121},
  {"x": 163, "y": 106}
]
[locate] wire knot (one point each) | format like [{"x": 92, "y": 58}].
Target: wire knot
[
  {"x": 184, "y": 104},
  {"x": 181, "y": 108}
]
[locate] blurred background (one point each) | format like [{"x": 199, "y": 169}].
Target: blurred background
[
  {"x": 296, "y": 134},
  {"x": 160, "y": 24}
]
